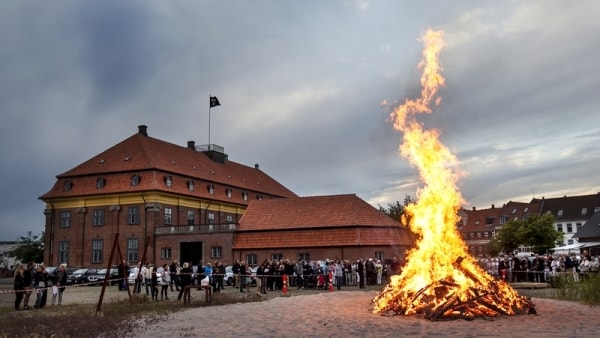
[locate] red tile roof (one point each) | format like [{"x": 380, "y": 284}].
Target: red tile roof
[
  {"x": 153, "y": 159},
  {"x": 318, "y": 221},
  {"x": 312, "y": 212}
]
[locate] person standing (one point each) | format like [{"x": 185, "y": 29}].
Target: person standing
[
  {"x": 40, "y": 281},
  {"x": 379, "y": 271},
  {"x": 185, "y": 278},
  {"x": 165, "y": 281},
  {"x": 339, "y": 274},
  {"x": 153, "y": 283},
  {"x": 360, "y": 269},
  {"x": 27, "y": 284},
  {"x": 172, "y": 274},
  {"x": 61, "y": 281},
  {"x": 123, "y": 275},
  {"x": 19, "y": 286},
  {"x": 243, "y": 274}
]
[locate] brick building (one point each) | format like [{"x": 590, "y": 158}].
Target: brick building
[
  {"x": 164, "y": 200},
  {"x": 318, "y": 228}
]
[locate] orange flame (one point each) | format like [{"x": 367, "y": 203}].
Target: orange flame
[{"x": 434, "y": 217}]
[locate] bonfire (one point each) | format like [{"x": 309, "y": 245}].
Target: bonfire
[{"x": 440, "y": 279}]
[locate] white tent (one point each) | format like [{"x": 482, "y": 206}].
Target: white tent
[{"x": 567, "y": 249}]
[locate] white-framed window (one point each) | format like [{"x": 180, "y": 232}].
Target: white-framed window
[
  {"x": 191, "y": 217},
  {"x": 303, "y": 256},
  {"x": 65, "y": 219},
  {"x": 168, "y": 181},
  {"x": 165, "y": 253},
  {"x": 210, "y": 218},
  {"x": 63, "y": 252},
  {"x": 133, "y": 249},
  {"x": 216, "y": 252},
  {"x": 98, "y": 217},
  {"x": 251, "y": 259},
  {"x": 168, "y": 217},
  {"x": 97, "y": 250},
  {"x": 133, "y": 215}
]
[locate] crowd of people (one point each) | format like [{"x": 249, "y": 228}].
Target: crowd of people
[
  {"x": 540, "y": 268},
  {"x": 31, "y": 278},
  {"x": 174, "y": 277}
]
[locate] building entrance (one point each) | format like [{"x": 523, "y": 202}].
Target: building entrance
[{"x": 191, "y": 252}]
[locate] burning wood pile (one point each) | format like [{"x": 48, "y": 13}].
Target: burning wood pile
[
  {"x": 440, "y": 279},
  {"x": 445, "y": 299}
]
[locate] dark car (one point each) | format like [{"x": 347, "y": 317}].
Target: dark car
[
  {"x": 98, "y": 277},
  {"x": 79, "y": 276}
]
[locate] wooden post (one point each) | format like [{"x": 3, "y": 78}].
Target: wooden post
[{"x": 112, "y": 253}]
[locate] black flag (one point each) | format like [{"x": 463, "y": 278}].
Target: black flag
[{"x": 214, "y": 101}]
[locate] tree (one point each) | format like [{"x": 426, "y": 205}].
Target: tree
[
  {"x": 31, "y": 248},
  {"x": 538, "y": 232},
  {"x": 535, "y": 231},
  {"x": 397, "y": 211}
]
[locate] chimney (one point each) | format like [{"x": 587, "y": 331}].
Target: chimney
[
  {"x": 493, "y": 206},
  {"x": 255, "y": 165},
  {"x": 142, "y": 129},
  {"x": 192, "y": 145},
  {"x": 474, "y": 209}
]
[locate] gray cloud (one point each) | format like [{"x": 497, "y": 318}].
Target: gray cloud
[{"x": 300, "y": 85}]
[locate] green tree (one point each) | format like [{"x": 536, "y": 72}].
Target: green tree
[
  {"x": 506, "y": 240},
  {"x": 535, "y": 231},
  {"x": 397, "y": 211},
  {"x": 31, "y": 248},
  {"x": 538, "y": 232}
]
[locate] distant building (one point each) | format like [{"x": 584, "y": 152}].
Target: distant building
[
  {"x": 480, "y": 226},
  {"x": 570, "y": 213},
  {"x": 318, "y": 228}
]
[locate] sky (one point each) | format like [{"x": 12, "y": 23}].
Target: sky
[{"x": 301, "y": 85}]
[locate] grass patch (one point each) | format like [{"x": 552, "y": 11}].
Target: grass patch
[
  {"x": 117, "y": 316},
  {"x": 586, "y": 291}
]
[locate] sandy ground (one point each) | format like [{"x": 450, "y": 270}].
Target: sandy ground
[
  {"x": 340, "y": 314},
  {"x": 345, "y": 314}
]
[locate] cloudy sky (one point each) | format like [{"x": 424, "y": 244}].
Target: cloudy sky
[{"x": 300, "y": 85}]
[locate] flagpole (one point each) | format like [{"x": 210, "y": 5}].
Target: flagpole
[{"x": 209, "y": 108}]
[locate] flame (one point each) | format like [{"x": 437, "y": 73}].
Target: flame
[{"x": 439, "y": 268}]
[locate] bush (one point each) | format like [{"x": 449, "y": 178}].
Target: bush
[{"x": 587, "y": 290}]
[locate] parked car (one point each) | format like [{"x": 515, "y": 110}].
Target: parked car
[
  {"x": 98, "y": 277},
  {"x": 79, "y": 276},
  {"x": 228, "y": 279}
]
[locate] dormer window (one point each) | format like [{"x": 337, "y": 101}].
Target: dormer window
[
  {"x": 135, "y": 180},
  {"x": 100, "y": 183},
  {"x": 244, "y": 195},
  {"x": 514, "y": 210},
  {"x": 259, "y": 197},
  {"x": 583, "y": 211},
  {"x": 190, "y": 185},
  {"x": 168, "y": 181},
  {"x": 211, "y": 189},
  {"x": 68, "y": 185},
  {"x": 560, "y": 213},
  {"x": 228, "y": 192}
]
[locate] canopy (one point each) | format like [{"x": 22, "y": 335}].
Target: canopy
[{"x": 568, "y": 247}]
